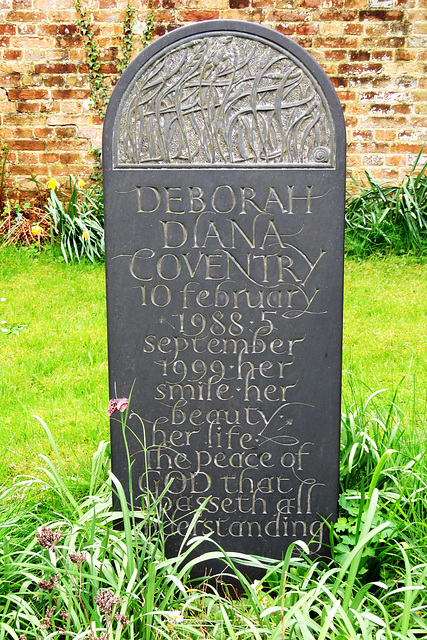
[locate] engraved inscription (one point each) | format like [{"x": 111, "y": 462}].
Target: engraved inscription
[
  {"x": 225, "y": 99},
  {"x": 222, "y": 273},
  {"x": 225, "y": 186}
]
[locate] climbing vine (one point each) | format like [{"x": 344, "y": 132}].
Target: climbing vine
[
  {"x": 147, "y": 32},
  {"x": 98, "y": 85},
  {"x": 127, "y": 37},
  {"x": 99, "y": 89}
]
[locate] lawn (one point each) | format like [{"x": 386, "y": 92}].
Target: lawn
[
  {"x": 54, "y": 352},
  {"x": 83, "y": 577}
]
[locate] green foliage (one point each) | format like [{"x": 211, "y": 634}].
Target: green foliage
[
  {"x": 98, "y": 85},
  {"x": 96, "y": 174},
  {"x": 382, "y": 451},
  {"x": 387, "y": 218},
  {"x": 127, "y": 37},
  {"x": 78, "y": 222},
  {"x": 147, "y": 32},
  {"x": 71, "y": 566}
]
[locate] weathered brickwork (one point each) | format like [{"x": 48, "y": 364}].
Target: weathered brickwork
[{"x": 375, "y": 57}]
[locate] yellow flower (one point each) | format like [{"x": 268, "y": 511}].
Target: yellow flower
[
  {"x": 80, "y": 184},
  {"x": 36, "y": 230},
  {"x": 85, "y": 235},
  {"x": 52, "y": 184}
]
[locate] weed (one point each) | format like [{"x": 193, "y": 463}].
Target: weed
[
  {"x": 386, "y": 218},
  {"x": 23, "y": 225},
  {"x": 73, "y": 571}
]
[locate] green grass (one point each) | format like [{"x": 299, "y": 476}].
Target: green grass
[
  {"x": 374, "y": 587},
  {"x": 54, "y": 360},
  {"x": 54, "y": 364},
  {"x": 385, "y": 326},
  {"x": 387, "y": 218}
]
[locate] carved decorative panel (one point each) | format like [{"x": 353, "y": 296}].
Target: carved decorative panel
[{"x": 224, "y": 99}]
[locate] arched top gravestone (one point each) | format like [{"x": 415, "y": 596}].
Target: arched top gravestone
[{"x": 224, "y": 186}]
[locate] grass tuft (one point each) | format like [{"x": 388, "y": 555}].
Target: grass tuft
[{"x": 383, "y": 218}]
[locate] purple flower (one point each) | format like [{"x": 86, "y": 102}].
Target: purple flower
[
  {"x": 48, "y": 538},
  {"x": 46, "y": 621},
  {"x": 106, "y": 600},
  {"x": 48, "y": 585},
  {"x": 117, "y": 404},
  {"x": 112, "y": 406},
  {"x": 122, "y": 404},
  {"x": 77, "y": 558}
]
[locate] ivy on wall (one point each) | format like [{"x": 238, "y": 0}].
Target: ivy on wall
[
  {"x": 127, "y": 37},
  {"x": 99, "y": 89}
]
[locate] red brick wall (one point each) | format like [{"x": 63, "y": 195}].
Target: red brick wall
[{"x": 376, "y": 58}]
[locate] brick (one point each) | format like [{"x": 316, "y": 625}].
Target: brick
[
  {"x": 9, "y": 29},
  {"x": 404, "y": 148},
  {"x": 404, "y": 55},
  {"x": 47, "y": 29},
  {"x": 28, "y": 145},
  {"x": 195, "y": 16},
  {"x": 391, "y": 43},
  {"x": 385, "y": 15},
  {"x": 239, "y": 4},
  {"x": 22, "y": 4},
  {"x": 49, "y": 158},
  {"x": 26, "y": 29},
  {"x": 66, "y": 132},
  {"x": 288, "y": 16},
  {"x": 12, "y": 54},
  {"x": 372, "y": 161},
  {"x": 28, "y": 107},
  {"x": 363, "y": 134},
  {"x": 408, "y": 136},
  {"x": 334, "y": 43},
  {"x": 53, "y": 81},
  {"x": 339, "y": 82},
  {"x": 27, "y": 94},
  {"x": 23, "y": 170},
  {"x": 360, "y": 68},
  {"x": 67, "y": 94},
  {"x": 58, "y": 67},
  {"x": 352, "y": 29},
  {"x": 58, "y": 145},
  {"x": 42, "y": 132},
  {"x": 311, "y": 4},
  {"x": 23, "y": 132},
  {"x": 382, "y": 55},
  {"x": 68, "y": 29},
  {"x": 402, "y": 108},
  {"x": 307, "y": 29},
  {"x": 25, "y": 16},
  {"x": 346, "y": 95},
  {"x": 355, "y": 4},
  {"x": 336, "y": 54},
  {"x": 370, "y": 147},
  {"x": 360, "y": 56},
  {"x": 343, "y": 15},
  {"x": 287, "y": 30},
  {"x": 69, "y": 158}
]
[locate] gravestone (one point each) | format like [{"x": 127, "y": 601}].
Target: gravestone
[{"x": 224, "y": 183}]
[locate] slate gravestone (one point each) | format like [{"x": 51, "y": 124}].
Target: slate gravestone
[{"x": 224, "y": 174}]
